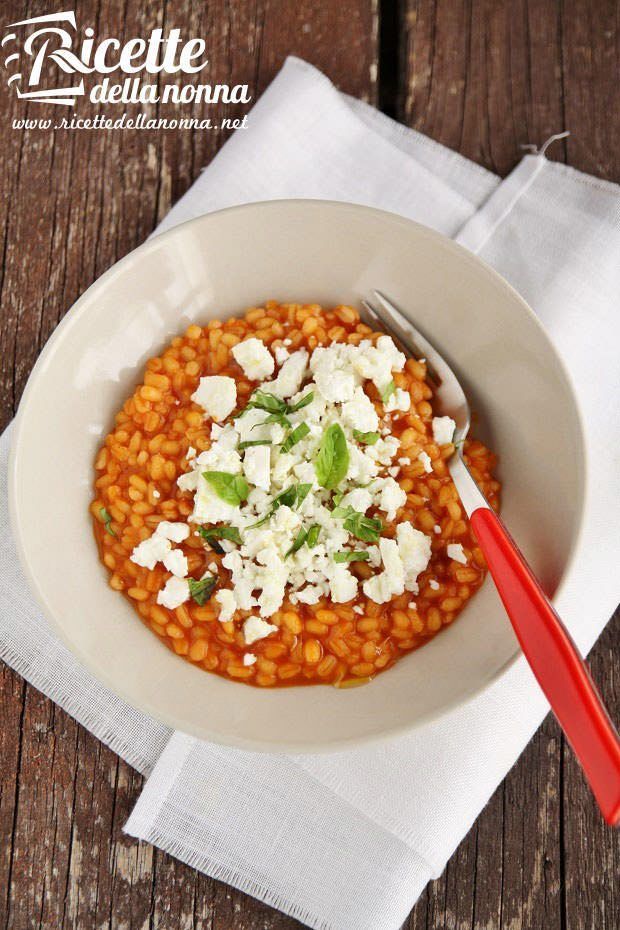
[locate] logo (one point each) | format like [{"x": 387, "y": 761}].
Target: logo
[{"x": 54, "y": 45}]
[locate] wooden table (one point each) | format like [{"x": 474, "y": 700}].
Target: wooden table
[{"x": 481, "y": 77}]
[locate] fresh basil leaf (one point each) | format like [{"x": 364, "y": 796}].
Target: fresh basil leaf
[
  {"x": 212, "y": 533},
  {"x": 202, "y": 590},
  {"x": 253, "y": 442},
  {"x": 357, "y": 556},
  {"x": 387, "y": 391},
  {"x": 293, "y": 438},
  {"x": 368, "y": 439},
  {"x": 107, "y": 520},
  {"x": 363, "y": 527},
  {"x": 233, "y": 489},
  {"x": 332, "y": 461},
  {"x": 298, "y": 543},
  {"x": 305, "y": 400},
  {"x": 312, "y": 536}
]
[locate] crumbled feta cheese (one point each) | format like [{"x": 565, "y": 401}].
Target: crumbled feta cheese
[
  {"x": 217, "y": 395},
  {"x": 390, "y": 582},
  {"x": 175, "y": 562},
  {"x": 359, "y": 412},
  {"x": 228, "y": 604},
  {"x": 404, "y": 461},
  {"x": 176, "y": 532},
  {"x": 358, "y": 609},
  {"x": 399, "y": 400},
  {"x": 386, "y": 346},
  {"x": 150, "y": 551},
  {"x": 359, "y": 498},
  {"x": 156, "y": 494},
  {"x": 174, "y": 593},
  {"x": 256, "y": 466},
  {"x": 254, "y": 358},
  {"x": 425, "y": 458},
  {"x": 290, "y": 376},
  {"x": 394, "y": 471},
  {"x": 249, "y": 658},
  {"x": 191, "y": 453},
  {"x": 212, "y": 566},
  {"x": 443, "y": 430},
  {"x": 311, "y": 594},
  {"x": 412, "y": 605},
  {"x": 391, "y": 496},
  {"x": 437, "y": 529},
  {"x": 281, "y": 353},
  {"x": 414, "y": 548},
  {"x": 456, "y": 552},
  {"x": 342, "y": 584},
  {"x": 434, "y": 585},
  {"x": 254, "y": 629}
]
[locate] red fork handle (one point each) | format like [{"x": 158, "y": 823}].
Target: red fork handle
[{"x": 561, "y": 672}]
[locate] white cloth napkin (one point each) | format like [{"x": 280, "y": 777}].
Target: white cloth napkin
[{"x": 349, "y": 840}]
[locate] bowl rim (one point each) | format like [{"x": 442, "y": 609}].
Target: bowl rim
[{"x": 74, "y": 315}]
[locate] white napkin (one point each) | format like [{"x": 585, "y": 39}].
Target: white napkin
[{"x": 349, "y": 840}]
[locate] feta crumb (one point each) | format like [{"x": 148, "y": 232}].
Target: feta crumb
[
  {"x": 290, "y": 376},
  {"x": 175, "y": 562},
  {"x": 358, "y": 609},
  {"x": 228, "y": 604},
  {"x": 425, "y": 458},
  {"x": 443, "y": 430},
  {"x": 217, "y": 395},
  {"x": 404, "y": 461},
  {"x": 212, "y": 566},
  {"x": 437, "y": 529},
  {"x": 311, "y": 594},
  {"x": 254, "y": 629},
  {"x": 254, "y": 358},
  {"x": 174, "y": 593},
  {"x": 412, "y": 605},
  {"x": 156, "y": 494},
  {"x": 433, "y": 584},
  {"x": 456, "y": 552},
  {"x": 394, "y": 472},
  {"x": 176, "y": 532},
  {"x": 190, "y": 454},
  {"x": 150, "y": 551},
  {"x": 256, "y": 466},
  {"x": 399, "y": 400},
  {"x": 249, "y": 658},
  {"x": 391, "y": 497},
  {"x": 414, "y": 548},
  {"x": 281, "y": 353}
]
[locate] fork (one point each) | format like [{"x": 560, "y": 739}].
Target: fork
[{"x": 548, "y": 647}]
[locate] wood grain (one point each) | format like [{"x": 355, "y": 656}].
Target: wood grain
[{"x": 482, "y": 77}]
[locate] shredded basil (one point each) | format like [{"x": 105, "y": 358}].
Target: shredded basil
[
  {"x": 357, "y": 556},
  {"x": 253, "y": 442},
  {"x": 107, "y": 520},
  {"x": 305, "y": 400},
  {"x": 312, "y": 536},
  {"x": 292, "y": 496},
  {"x": 202, "y": 590},
  {"x": 332, "y": 460},
  {"x": 368, "y": 439},
  {"x": 387, "y": 391},
  {"x": 363, "y": 527},
  {"x": 298, "y": 543},
  {"x": 293, "y": 438},
  {"x": 233, "y": 489},
  {"x": 212, "y": 533}
]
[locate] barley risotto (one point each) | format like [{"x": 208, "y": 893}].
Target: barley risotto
[{"x": 274, "y": 500}]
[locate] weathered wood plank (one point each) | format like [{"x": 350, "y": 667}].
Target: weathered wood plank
[
  {"x": 75, "y": 202},
  {"x": 485, "y": 78}
]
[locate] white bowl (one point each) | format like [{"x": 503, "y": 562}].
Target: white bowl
[{"x": 215, "y": 266}]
